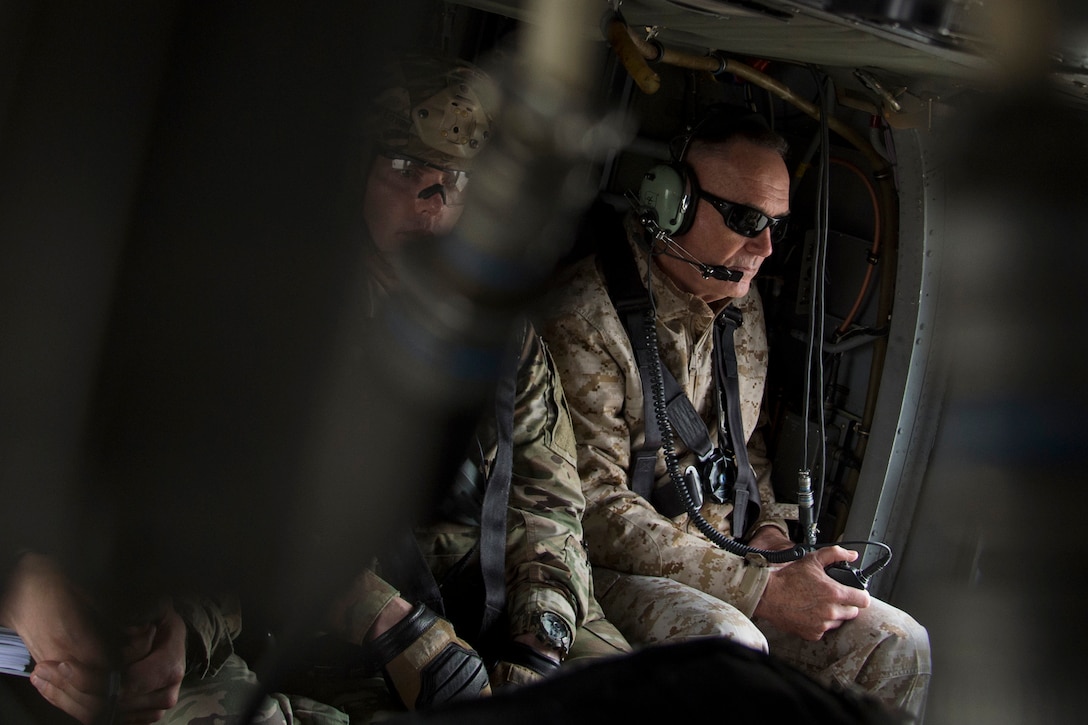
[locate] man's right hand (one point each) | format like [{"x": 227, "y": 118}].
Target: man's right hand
[
  {"x": 801, "y": 599},
  {"x": 58, "y": 627}
]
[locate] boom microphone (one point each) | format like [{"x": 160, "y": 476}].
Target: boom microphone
[
  {"x": 648, "y": 219},
  {"x": 718, "y": 272}
]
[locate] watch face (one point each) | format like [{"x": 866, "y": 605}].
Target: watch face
[{"x": 555, "y": 631}]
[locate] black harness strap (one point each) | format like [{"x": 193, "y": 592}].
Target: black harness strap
[
  {"x": 497, "y": 496},
  {"x": 745, "y": 490},
  {"x": 644, "y": 459},
  {"x": 632, "y": 302},
  {"x": 459, "y": 598}
]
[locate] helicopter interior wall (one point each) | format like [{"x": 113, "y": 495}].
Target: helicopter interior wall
[{"x": 997, "y": 561}]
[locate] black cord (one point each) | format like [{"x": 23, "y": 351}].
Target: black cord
[
  {"x": 816, "y": 309},
  {"x": 821, "y": 287},
  {"x": 672, "y": 465},
  {"x": 868, "y": 571}
]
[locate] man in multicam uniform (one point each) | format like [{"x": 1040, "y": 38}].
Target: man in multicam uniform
[
  {"x": 425, "y": 129},
  {"x": 659, "y": 578},
  {"x": 177, "y": 665}
]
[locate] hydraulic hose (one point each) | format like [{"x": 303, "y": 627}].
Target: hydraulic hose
[{"x": 873, "y": 253}]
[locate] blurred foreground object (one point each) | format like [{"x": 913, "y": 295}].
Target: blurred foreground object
[{"x": 660, "y": 683}]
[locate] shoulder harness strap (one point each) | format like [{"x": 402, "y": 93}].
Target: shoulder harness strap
[
  {"x": 632, "y": 302},
  {"x": 746, "y": 502},
  {"x": 497, "y": 492}
]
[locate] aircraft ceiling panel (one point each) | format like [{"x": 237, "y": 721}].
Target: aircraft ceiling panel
[
  {"x": 942, "y": 44},
  {"x": 800, "y": 35}
]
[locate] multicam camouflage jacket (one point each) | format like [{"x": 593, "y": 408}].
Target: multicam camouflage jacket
[
  {"x": 547, "y": 568},
  {"x": 604, "y": 391},
  {"x": 211, "y": 625}
]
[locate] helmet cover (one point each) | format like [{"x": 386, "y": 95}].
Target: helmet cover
[{"x": 433, "y": 110}]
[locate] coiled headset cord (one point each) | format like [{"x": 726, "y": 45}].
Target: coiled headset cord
[
  {"x": 783, "y": 556},
  {"x": 672, "y": 465}
]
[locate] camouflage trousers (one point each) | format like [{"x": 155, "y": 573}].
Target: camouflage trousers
[
  {"x": 884, "y": 652},
  {"x": 226, "y": 698},
  {"x": 596, "y": 638}
]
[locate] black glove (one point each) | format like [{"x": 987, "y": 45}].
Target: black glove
[
  {"x": 521, "y": 665},
  {"x": 426, "y": 663}
]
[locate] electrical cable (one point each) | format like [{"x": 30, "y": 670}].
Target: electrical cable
[
  {"x": 874, "y": 251},
  {"x": 877, "y": 565},
  {"x": 821, "y": 282},
  {"x": 805, "y": 473},
  {"x": 668, "y": 449}
]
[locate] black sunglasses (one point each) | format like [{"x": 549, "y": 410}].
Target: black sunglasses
[{"x": 744, "y": 220}]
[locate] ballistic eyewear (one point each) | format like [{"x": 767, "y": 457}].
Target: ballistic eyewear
[
  {"x": 745, "y": 220},
  {"x": 412, "y": 172}
]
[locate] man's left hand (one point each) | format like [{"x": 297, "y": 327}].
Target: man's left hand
[
  {"x": 770, "y": 538},
  {"x": 154, "y": 657},
  {"x": 526, "y": 660}
]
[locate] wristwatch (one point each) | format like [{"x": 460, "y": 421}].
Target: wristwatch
[{"x": 553, "y": 632}]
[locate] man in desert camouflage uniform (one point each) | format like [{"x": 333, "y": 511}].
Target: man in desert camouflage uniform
[
  {"x": 658, "y": 577},
  {"x": 425, "y": 129}
]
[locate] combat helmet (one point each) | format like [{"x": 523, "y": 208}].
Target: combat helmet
[{"x": 433, "y": 110}]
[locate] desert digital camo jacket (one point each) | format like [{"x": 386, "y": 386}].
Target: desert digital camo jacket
[{"x": 604, "y": 391}]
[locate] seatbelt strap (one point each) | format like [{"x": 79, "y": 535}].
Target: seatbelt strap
[
  {"x": 643, "y": 459},
  {"x": 497, "y": 495},
  {"x": 745, "y": 490},
  {"x": 632, "y": 302}
]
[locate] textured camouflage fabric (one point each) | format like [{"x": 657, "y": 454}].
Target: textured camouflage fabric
[
  {"x": 655, "y": 609},
  {"x": 547, "y": 568},
  {"x": 884, "y": 651},
  {"x": 227, "y": 697},
  {"x": 432, "y": 109},
  {"x": 211, "y": 624},
  {"x": 219, "y": 688},
  {"x": 352, "y": 614}
]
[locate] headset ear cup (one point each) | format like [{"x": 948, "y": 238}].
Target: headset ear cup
[
  {"x": 691, "y": 199},
  {"x": 666, "y": 191}
]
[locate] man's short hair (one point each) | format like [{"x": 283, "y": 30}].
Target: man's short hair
[{"x": 725, "y": 123}]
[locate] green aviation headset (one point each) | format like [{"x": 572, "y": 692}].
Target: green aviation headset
[
  {"x": 666, "y": 190},
  {"x": 670, "y": 192}
]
